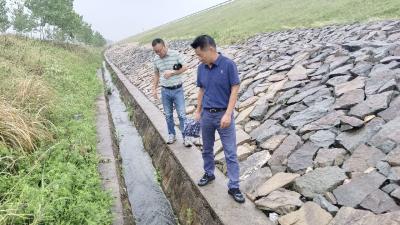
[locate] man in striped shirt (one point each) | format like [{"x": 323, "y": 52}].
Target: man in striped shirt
[{"x": 171, "y": 87}]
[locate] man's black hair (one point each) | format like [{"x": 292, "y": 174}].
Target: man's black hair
[
  {"x": 157, "y": 41},
  {"x": 203, "y": 41}
]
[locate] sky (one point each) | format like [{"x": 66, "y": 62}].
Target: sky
[{"x": 119, "y": 19}]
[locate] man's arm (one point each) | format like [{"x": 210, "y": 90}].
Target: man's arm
[
  {"x": 199, "y": 103},
  {"x": 155, "y": 83},
  {"x": 232, "y": 99},
  {"x": 226, "y": 119},
  {"x": 170, "y": 73},
  {"x": 234, "y": 81}
]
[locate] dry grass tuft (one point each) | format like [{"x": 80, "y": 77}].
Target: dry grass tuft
[
  {"x": 32, "y": 95},
  {"x": 21, "y": 130}
]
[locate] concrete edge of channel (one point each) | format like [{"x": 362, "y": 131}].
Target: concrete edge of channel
[
  {"x": 181, "y": 168},
  {"x": 109, "y": 166}
]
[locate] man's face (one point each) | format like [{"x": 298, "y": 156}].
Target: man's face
[
  {"x": 160, "y": 50},
  {"x": 204, "y": 55}
]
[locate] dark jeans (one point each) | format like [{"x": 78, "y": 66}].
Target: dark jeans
[{"x": 210, "y": 122}]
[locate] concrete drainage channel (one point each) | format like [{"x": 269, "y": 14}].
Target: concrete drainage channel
[
  {"x": 148, "y": 203},
  {"x": 178, "y": 168}
]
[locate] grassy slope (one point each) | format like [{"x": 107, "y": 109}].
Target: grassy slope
[
  {"x": 243, "y": 18},
  {"x": 58, "y": 183}
]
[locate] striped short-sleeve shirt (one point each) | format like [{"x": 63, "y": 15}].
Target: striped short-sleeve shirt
[{"x": 166, "y": 63}]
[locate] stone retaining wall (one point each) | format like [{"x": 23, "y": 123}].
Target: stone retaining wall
[{"x": 318, "y": 119}]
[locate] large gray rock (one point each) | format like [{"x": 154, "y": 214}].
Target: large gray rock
[
  {"x": 310, "y": 114},
  {"x": 393, "y": 110},
  {"x": 309, "y": 214},
  {"x": 363, "y": 158},
  {"x": 353, "y": 193},
  {"x": 390, "y": 188},
  {"x": 260, "y": 109},
  {"x": 324, "y": 69},
  {"x": 255, "y": 179},
  {"x": 269, "y": 132},
  {"x": 389, "y": 59},
  {"x": 339, "y": 61},
  {"x": 281, "y": 201},
  {"x": 302, "y": 158},
  {"x": 357, "y": 83},
  {"x": 379, "y": 78},
  {"x": 280, "y": 155},
  {"x": 243, "y": 114},
  {"x": 338, "y": 80},
  {"x": 379, "y": 202},
  {"x": 274, "y": 142},
  {"x": 330, "y": 157},
  {"x": 279, "y": 64},
  {"x": 353, "y": 46},
  {"x": 247, "y": 93},
  {"x": 394, "y": 174},
  {"x": 284, "y": 113},
  {"x": 298, "y": 72},
  {"x": 277, "y": 77},
  {"x": 388, "y": 137},
  {"x": 263, "y": 128},
  {"x": 362, "y": 69},
  {"x": 350, "y": 216},
  {"x": 372, "y": 104},
  {"x": 318, "y": 96},
  {"x": 253, "y": 163},
  {"x": 261, "y": 88},
  {"x": 325, "y": 204},
  {"x": 328, "y": 121},
  {"x": 391, "y": 218},
  {"x": 251, "y": 125},
  {"x": 396, "y": 193},
  {"x": 284, "y": 96},
  {"x": 348, "y": 123},
  {"x": 292, "y": 84},
  {"x": 383, "y": 168},
  {"x": 273, "y": 89},
  {"x": 393, "y": 158},
  {"x": 323, "y": 138},
  {"x": 272, "y": 110},
  {"x": 304, "y": 94},
  {"x": 248, "y": 102},
  {"x": 319, "y": 181},
  {"x": 341, "y": 70},
  {"x": 349, "y": 99},
  {"x": 352, "y": 139},
  {"x": 277, "y": 181}
]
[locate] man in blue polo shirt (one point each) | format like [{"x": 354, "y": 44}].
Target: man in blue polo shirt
[{"x": 218, "y": 80}]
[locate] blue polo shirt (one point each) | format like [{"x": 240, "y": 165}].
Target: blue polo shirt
[{"x": 217, "y": 82}]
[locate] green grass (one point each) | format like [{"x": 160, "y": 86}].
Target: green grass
[
  {"x": 242, "y": 18},
  {"x": 58, "y": 182}
]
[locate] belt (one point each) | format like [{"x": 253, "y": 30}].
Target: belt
[
  {"x": 214, "y": 110},
  {"x": 173, "y": 87}
]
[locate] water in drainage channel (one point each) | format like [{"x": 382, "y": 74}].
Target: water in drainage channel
[{"x": 149, "y": 203}]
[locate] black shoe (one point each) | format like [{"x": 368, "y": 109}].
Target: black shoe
[
  {"x": 206, "y": 179},
  {"x": 236, "y": 195}
]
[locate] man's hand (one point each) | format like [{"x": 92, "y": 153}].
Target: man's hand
[
  {"x": 168, "y": 74},
  {"x": 155, "y": 94},
  {"x": 226, "y": 120}
]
